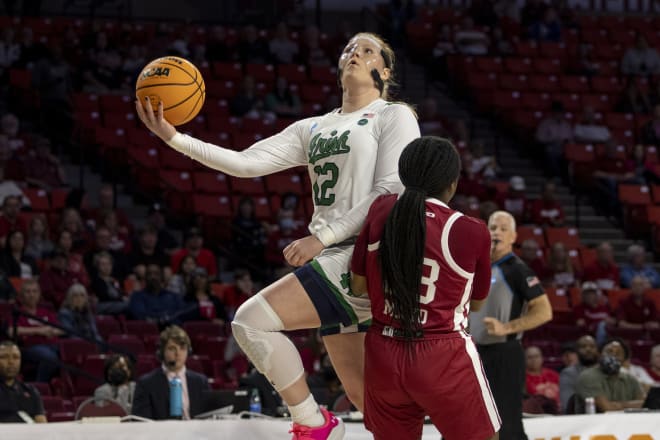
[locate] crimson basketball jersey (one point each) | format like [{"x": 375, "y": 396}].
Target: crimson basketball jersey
[{"x": 456, "y": 265}]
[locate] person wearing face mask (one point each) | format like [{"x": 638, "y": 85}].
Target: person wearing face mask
[
  {"x": 152, "y": 391},
  {"x": 119, "y": 386},
  {"x": 612, "y": 389},
  {"x": 588, "y": 354}
]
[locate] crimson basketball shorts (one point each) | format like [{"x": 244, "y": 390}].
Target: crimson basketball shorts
[{"x": 442, "y": 377}]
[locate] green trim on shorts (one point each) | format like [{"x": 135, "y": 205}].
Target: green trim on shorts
[{"x": 351, "y": 313}]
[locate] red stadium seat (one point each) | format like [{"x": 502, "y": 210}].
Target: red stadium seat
[
  {"x": 107, "y": 325},
  {"x": 178, "y": 180},
  {"x": 210, "y": 182},
  {"x": 518, "y": 65},
  {"x": 117, "y": 103},
  {"x": 294, "y": 73},
  {"x": 282, "y": 183},
  {"x": 549, "y": 66},
  {"x": 127, "y": 342},
  {"x": 53, "y": 403},
  {"x": 212, "y": 205},
  {"x": 598, "y": 102},
  {"x": 552, "y": 50},
  {"x": 615, "y": 296},
  {"x": 87, "y": 102},
  {"x": 482, "y": 81},
  {"x": 262, "y": 210},
  {"x": 488, "y": 64},
  {"x": 530, "y": 233},
  {"x": 247, "y": 186},
  {"x": 172, "y": 159},
  {"x": 42, "y": 387},
  {"x": 568, "y": 236},
  {"x": 581, "y": 153},
  {"x": 630, "y": 194},
  {"x": 74, "y": 351},
  {"x": 221, "y": 89},
  {"x": 606, "y": 84},
  {"x": 544, "y": 83},
  {"x": 513, "y": 82},
  {"x": 558, "y": 299},
  {"x": 526, "y": 48},
  {"x": 624, "y": 121},
  {"x": 203, "y": 329},
  {"x": 140, "y": 327},
  {"x": 574, "y": 84},
  {"x": 227, "y": 71},
  {"x": 119, "y": 119},
  {"x": 261, "y": 72},
  {"x": 38, "y": 199},
  {"x": 213, "y": 347},
  {"x": 324, "y": 75}
]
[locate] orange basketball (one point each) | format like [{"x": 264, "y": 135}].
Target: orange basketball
[{"x": 177, "y": 83}]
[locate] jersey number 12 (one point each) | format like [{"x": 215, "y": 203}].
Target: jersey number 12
[{"x": 322, "y": 197}]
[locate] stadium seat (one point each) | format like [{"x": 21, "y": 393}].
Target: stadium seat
[
  {"x": 531, "y": 232},
  {"x": 107, "y": 325},
  {"x": 282, "y": 183},
  {"x": 630, "y": 194},
  {"x": 227, "y": 71},
  {"x": 324, "y": 75},
  {"x": 212, "y": 205},
  {"x": 615, "y": 296},
  {"x": 261, "y": 72},
  {"x": 558, "y": 299},
  {"x": 74, "y": 351},
  {"x": 544, "y": 83},
  {"x": 210, "y": 182},
  {"x": 53, "y": 403},
  {"x": 180, "y": 181},
  {"x": 581, "y": 153},
  {"x": 221, "y": 89},
  {"x": 549, "y": 66},
  {"x": 94, "y": 365},
  {"x": 294, "y": 73},
  {"x": 641, "y": 349},
  {"x": 262, "y": 209},
  {"x": 128, "y": 343},
  {"x": 213, "y": 347},
  {"x": 42, "y": 387},
  {"x": 606, "y": 84},
  {"x": 60, "y": 416},
  {"x": 568, "y": 236},
  {"x": 574, "y": 84},
  {"x": 247, "y": 186},
  {"x": 39, "y": 201},
  {"x": 489, "y": 64},
  {"x": 598, "y": 102},
  {"x": 140, "y": 327},
  {"x": 203, "y": 329},
  {"x": 513, "y": 82}
]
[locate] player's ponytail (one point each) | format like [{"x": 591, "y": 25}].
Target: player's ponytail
[{"x": 428, "y": 167}]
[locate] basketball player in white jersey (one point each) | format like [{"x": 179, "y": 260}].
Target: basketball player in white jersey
[{"x": 351, "y": 154}]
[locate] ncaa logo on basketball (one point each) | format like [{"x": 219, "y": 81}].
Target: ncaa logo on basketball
[{"x": 156, "y": 71}]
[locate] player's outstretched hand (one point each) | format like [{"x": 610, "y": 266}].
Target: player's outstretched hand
[
  {"x": 155, "y": 121},
  {"x": 302, "y": 250},
  {"x": 495, "y": 327}
]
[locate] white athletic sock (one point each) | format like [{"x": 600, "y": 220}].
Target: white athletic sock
[{"x": 307, "y": 413}]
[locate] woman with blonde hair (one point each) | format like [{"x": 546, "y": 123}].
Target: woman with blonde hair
[{"x": 76, "y": 315}]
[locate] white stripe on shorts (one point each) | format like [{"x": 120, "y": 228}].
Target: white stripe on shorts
[{"x": 486, "y": 394}]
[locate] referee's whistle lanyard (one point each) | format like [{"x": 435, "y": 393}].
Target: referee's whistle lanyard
[{"x": 502, "y": 259}]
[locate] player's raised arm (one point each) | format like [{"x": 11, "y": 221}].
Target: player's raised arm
[{"x": 275, "y": 153}]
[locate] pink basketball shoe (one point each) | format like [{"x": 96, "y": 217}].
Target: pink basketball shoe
[{"x": 332, "y": 429}]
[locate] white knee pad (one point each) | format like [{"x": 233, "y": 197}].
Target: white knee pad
[{"x": 256, "y": 328}]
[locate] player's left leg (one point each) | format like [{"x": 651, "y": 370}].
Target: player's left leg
[{"x": 346, "y": 352}]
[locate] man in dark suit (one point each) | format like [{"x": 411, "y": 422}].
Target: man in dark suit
[{"x": 152, "y": 391}]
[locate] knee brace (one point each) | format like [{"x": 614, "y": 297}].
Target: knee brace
[{"x": 256, "y": 328}]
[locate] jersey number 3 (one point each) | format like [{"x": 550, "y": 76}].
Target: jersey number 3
[
  {"x": 322, "y": 197},
  {"x": 429, "y": 281}
]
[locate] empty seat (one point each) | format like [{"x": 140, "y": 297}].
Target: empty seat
[
  {"x": 107, "y": 325},
  {"x": 139, "y": 327},
  {"x": 568, "y": 236},
  {"x": 128, "y": 343},
  {"x": 630, "y": 194},
  {"x": 212, "y": 205},
  {"x": 74, "y": 351},
  {"x": 211, "y": 182}
]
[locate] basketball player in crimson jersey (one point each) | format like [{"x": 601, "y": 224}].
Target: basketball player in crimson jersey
[{"x": 424, "y": 267}]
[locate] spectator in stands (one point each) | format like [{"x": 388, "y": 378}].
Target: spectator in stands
[
  {"x": 593, "y": 314},
  {"x": 179, "y": 282},
  {"x": 10, "y": 126},
  {"x": 217, "y": 47},
  {"x": 246, "y": 103},
  {"x": 43, "y": 169},
  {"x": 38, "y": 340},
  {"x": 561, "y": 272},
  {"x": 589, "y": 130},
  {"x": 10, "y": 50},
  {"x": 568, "y": 355},
  {"x": 650, "y": 131},
  {"x": 654, "y": 93},
  {"x": 134, "y": 60},
  {"x": 639, "y": 373},
  {"x": 430, "y": 121},
  {"x": 56, "y": 279},
  {"x": 587, "y": 352},
  {"x": 444, "y": 46},
  {"x": 7, "y": 290},
  {"x": 469, "y": 40},
  {"x": 547, "y": 29},
  {"x": 541, "y": 384},
  {"x": 609, "y": 171},
  {"x": 312, "y": 53},
  {"x": 533, "y": 257},
  {"x": 509, "y": 9},
  {"x": 72, "y": 222},
  {"x": 482, "y": 163},
  {"x": 547, "y": 210},
  {"x": 552, "y": 133},
  {"x": 75, "y": 314},
  {"x": 146, "y": 251},
  {"x": 248, "y": 235},
  {"x": 11, "y": 171},
  {"x": 194, "y": 245},
  {"x": 156, "y": 218},
  {"x": 637, "y": 266},
  {"x": 251, "y": 48},
  {"x": 75, "y": 263},
  {"x": 603, "y": 271},
  {"x": 654, "y": 364},
  {"x": 205, "y": 305},
  {"x": 482, "y": 12},
  {"x": 17, "y": 396},
  {"x": 282, "y": 49},
  {"x": 119, "y": 239},
  {"x": 636, "y": 311},
  {"x": 399, "y": 14},
  {"x": 633, "y": 99},
  {"x": 119, "y": 384},
  {"x": 152, "y": 390},
  {"x": 586, "y": 63},
  {"x": 643, "y": 169},
  {"x": 110, "y": 296},
  {"x": 154, "y": 303},
  {"x": 106, "y": 204},
  {"x": 514, "y": 200},
  {"x": 10, "y": 219},
  {"x": 611, "y": 389},
  {"x": 38, "y": 244},
  {"x": 103, "y": 242},
  {"x": 13, "y": 259},
  {"x": 240, "y": 292},
  {"x": 283, "y": 101},
  {"x": 280, "y": 236},
  {"x": 500, "y": 45},
  {"x": 640, "y": 59},
  {"x": 31, "y": 51}
]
